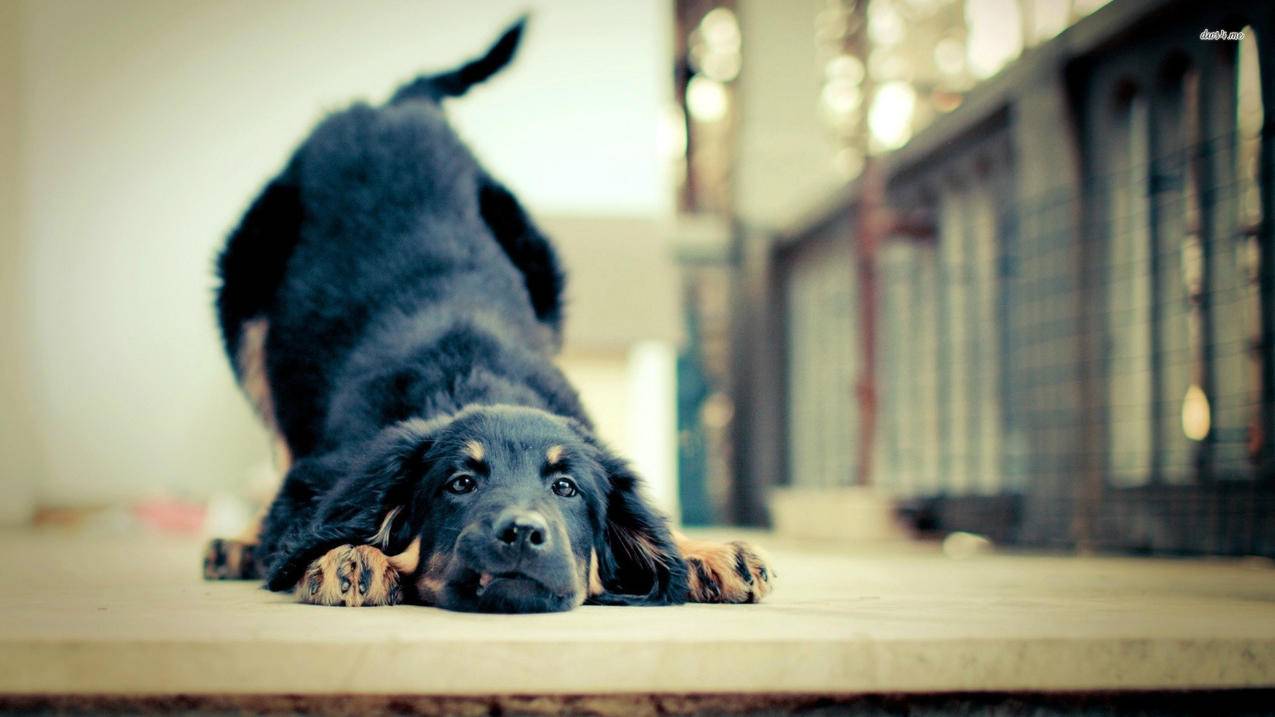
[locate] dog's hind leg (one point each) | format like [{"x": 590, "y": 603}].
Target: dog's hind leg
[
  {"x": 253, "y": 379},
  {"x": 252, "y": 268},
  {"x": 528, "y": 249},
  {"x": 231, "y": 560}
]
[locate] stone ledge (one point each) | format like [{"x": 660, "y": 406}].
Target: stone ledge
[{"x": 129, "y": 615}]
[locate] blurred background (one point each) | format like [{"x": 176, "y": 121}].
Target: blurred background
[{"x": 847, "y": 269}]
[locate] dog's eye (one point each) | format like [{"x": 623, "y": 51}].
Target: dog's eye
[
  {"x": 564, "y": 487},
  {"x": 461, "y": 484}
]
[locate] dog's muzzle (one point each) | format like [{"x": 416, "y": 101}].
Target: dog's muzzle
[{"x": 514, "y": 563}]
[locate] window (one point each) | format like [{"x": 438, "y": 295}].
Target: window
[
  {"x": 1183, "y": 314},
  {"x": 1183, "y": 387},
  {"x": 985, "y": 374},
  {"x": 924, "y": 365},
  {"x": 823, "y": 365},
  {"x": 1237, "y": 256},
  {"x": 957, "y": 278},
  {"x": 971, "y": 345},
  {"x": 1129, "y": 297}
]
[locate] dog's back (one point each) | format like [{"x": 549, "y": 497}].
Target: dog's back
[{"x": 381, "y": 228}]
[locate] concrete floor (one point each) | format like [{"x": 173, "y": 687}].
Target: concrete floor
[{"x": 129, "y": 614}]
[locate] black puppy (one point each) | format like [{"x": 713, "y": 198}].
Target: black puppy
[{"x": 392, "y": 313}]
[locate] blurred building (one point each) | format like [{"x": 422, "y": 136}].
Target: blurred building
[{"x": 999, "y": 265}]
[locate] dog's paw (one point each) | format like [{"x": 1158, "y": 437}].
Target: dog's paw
[
  {"x": 732, "y": 572},
  {"x": 230, "y": 560},
  {"x": 351, "y": 576}
]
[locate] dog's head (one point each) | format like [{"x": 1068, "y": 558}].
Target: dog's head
[{"x": 498, "y": 509}]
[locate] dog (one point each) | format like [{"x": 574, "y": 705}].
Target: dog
[{"x": 392, "y": 314}]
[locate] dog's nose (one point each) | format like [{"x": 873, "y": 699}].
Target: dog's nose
[{"x": 525, "y": 529}]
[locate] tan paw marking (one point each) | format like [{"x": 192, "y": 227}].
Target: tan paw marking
[
  {"x": 351, "y": 576},
  {"x": 732, "y": 572}
]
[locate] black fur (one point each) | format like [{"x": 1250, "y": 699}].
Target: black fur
[
  {"x": 458, "y": 81},
  {"x": 255, "y": 257},
  {"x": 404, "y": 288}
]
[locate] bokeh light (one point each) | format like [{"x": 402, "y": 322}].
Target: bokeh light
[
  {"x": 890, "y": 119},
  {"x": 995, "y": 35},
  {"x": 706, "y": 99},
  {"x": 1196, "y": 418},
  {"x": 715, "y": 45}
]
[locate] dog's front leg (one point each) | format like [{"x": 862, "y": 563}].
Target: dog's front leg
[
  {"x": 351, "y": 576},
  {"x": 733, "y": 572}
]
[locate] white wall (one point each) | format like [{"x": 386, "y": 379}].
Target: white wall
[
  {"x": 147, "y": 126},
  {"x": 19, "y": 441},
  {"x": 632, "y": 398},
  {"x": 623, "y": 323}
]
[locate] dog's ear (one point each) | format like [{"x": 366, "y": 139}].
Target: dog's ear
[
  {"x": 638, "y": 561},
  {"x": 362, "y": 495},
  {"x": 528, "y": 249}
]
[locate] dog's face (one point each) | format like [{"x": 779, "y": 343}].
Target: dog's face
[
  {"x": 496, "y": 509},
  {"x": 512, "y": 503}
]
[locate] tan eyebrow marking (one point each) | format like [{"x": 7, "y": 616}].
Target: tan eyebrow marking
[
  {"x": 554, "y": 454},
  {"x": 475, "y": 450}
]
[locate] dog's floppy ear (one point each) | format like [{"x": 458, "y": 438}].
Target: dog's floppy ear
[
  {"x": 638, "y": 562},
  {"x": 368, "y": 501},
  {"x": 458, "y": 81},
  {"x": 528, "y": 249}
]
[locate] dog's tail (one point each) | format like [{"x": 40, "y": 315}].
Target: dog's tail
[{"x": 458, "y": 81}]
